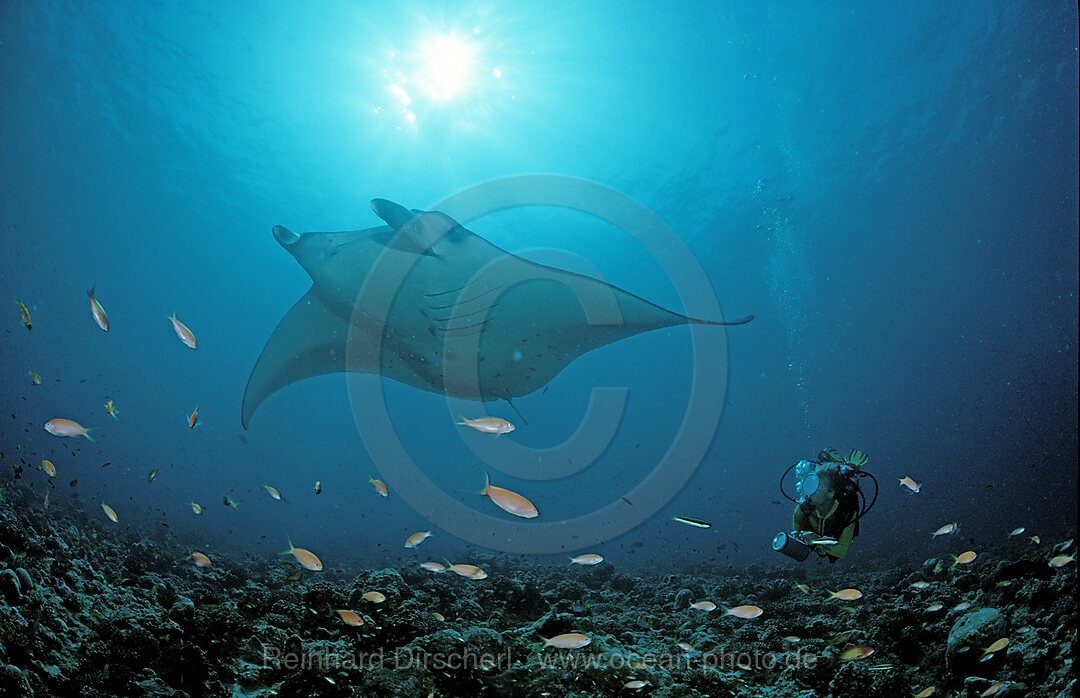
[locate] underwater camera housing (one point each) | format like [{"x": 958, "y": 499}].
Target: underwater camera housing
[{"x": 790, "y": 545}]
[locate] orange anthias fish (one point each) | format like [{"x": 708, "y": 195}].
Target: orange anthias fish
[
  {"x": 374, "y": 596},
  {"x": 49, "y": 468},
  {"x": 841, "y": 637},
  {"x": 588, "y": 559},
  {"x": 467, "y": 571},
  {"x": 433, "y": 566},
  {"x": 379, "y": 486},
  {"x": 110, "y": 407},
  {"x": 946, "y": 530},
  {"x": 200, "y": 560},
  {"x": 349, "y": 617},
  {"x": 193, "y": 418},
  {"x": 857, "y": 652},
  {"x": 488, "y": 425},
  {"x": 744, "y": 612},
  {"x": 183, "y": 332},
  {"x": 1061, "y": 560},
  {"x": 912, "y": 486},
  {"x": 509, "y": 501},
  {"x": 25, "y": 315},
  {"x": 97, "y": 311},
  {"x": 306, "y": 558},
  {"x": 568, "y": 641},
  {"x": 963, "y": 558},
  {"x": 417, "y": 538},
  {"x": 706, "y": 606},
  {"x": 66, "y": 427},
  {"x": 845, "y": 594}
]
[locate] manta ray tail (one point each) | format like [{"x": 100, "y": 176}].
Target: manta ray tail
[{"x": 740, "y": 321}]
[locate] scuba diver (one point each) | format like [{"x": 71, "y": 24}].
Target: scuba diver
[{"x": 829, "y": 506}]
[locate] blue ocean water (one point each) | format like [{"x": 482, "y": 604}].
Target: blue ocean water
[{"x": 890, "y": 188}]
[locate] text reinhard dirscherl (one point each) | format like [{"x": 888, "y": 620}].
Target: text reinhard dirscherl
[{"x": 410, "y": 658}]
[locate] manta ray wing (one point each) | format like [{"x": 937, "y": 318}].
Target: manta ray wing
[
  {"x": 518, "y": 324},
  {"x": 309, "y": 341}
]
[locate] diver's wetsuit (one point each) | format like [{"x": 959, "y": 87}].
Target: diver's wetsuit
[{"x": 840, "y": 519}]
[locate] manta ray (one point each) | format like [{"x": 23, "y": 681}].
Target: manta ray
[{"x": 424, "y": 301}]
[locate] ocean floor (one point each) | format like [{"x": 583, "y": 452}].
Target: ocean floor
[{"x": 96, "y": 611}]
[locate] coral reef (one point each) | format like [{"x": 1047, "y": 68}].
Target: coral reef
[{"x": 96, "y": 612}]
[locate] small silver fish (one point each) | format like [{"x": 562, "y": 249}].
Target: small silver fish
[{"x": 696, "y": 523}]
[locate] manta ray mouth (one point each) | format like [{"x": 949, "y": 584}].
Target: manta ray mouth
[{"x": 285, "y": 237}]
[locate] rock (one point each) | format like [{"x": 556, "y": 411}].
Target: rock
[
  {"x": 1026, "y": 570},
  {"x": 595, "y": 576},
  {"x": 278, "y": 620},
  {"x": 10, "y": 586},
  {"x": 972, "y": 632},
  {"x": 12, "y": 680},
  {"x": 53, "y": 672},
  {"x": 24, "y": 579},
  {"x": 151, "y": 685},
  {"x": 525, "y": 599},
  {"x": 182, "y": 611},
  {"x": 622, "y": 582},
  {"x": 570, "y": 589},
  {"x": 682, "y": 599}
]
